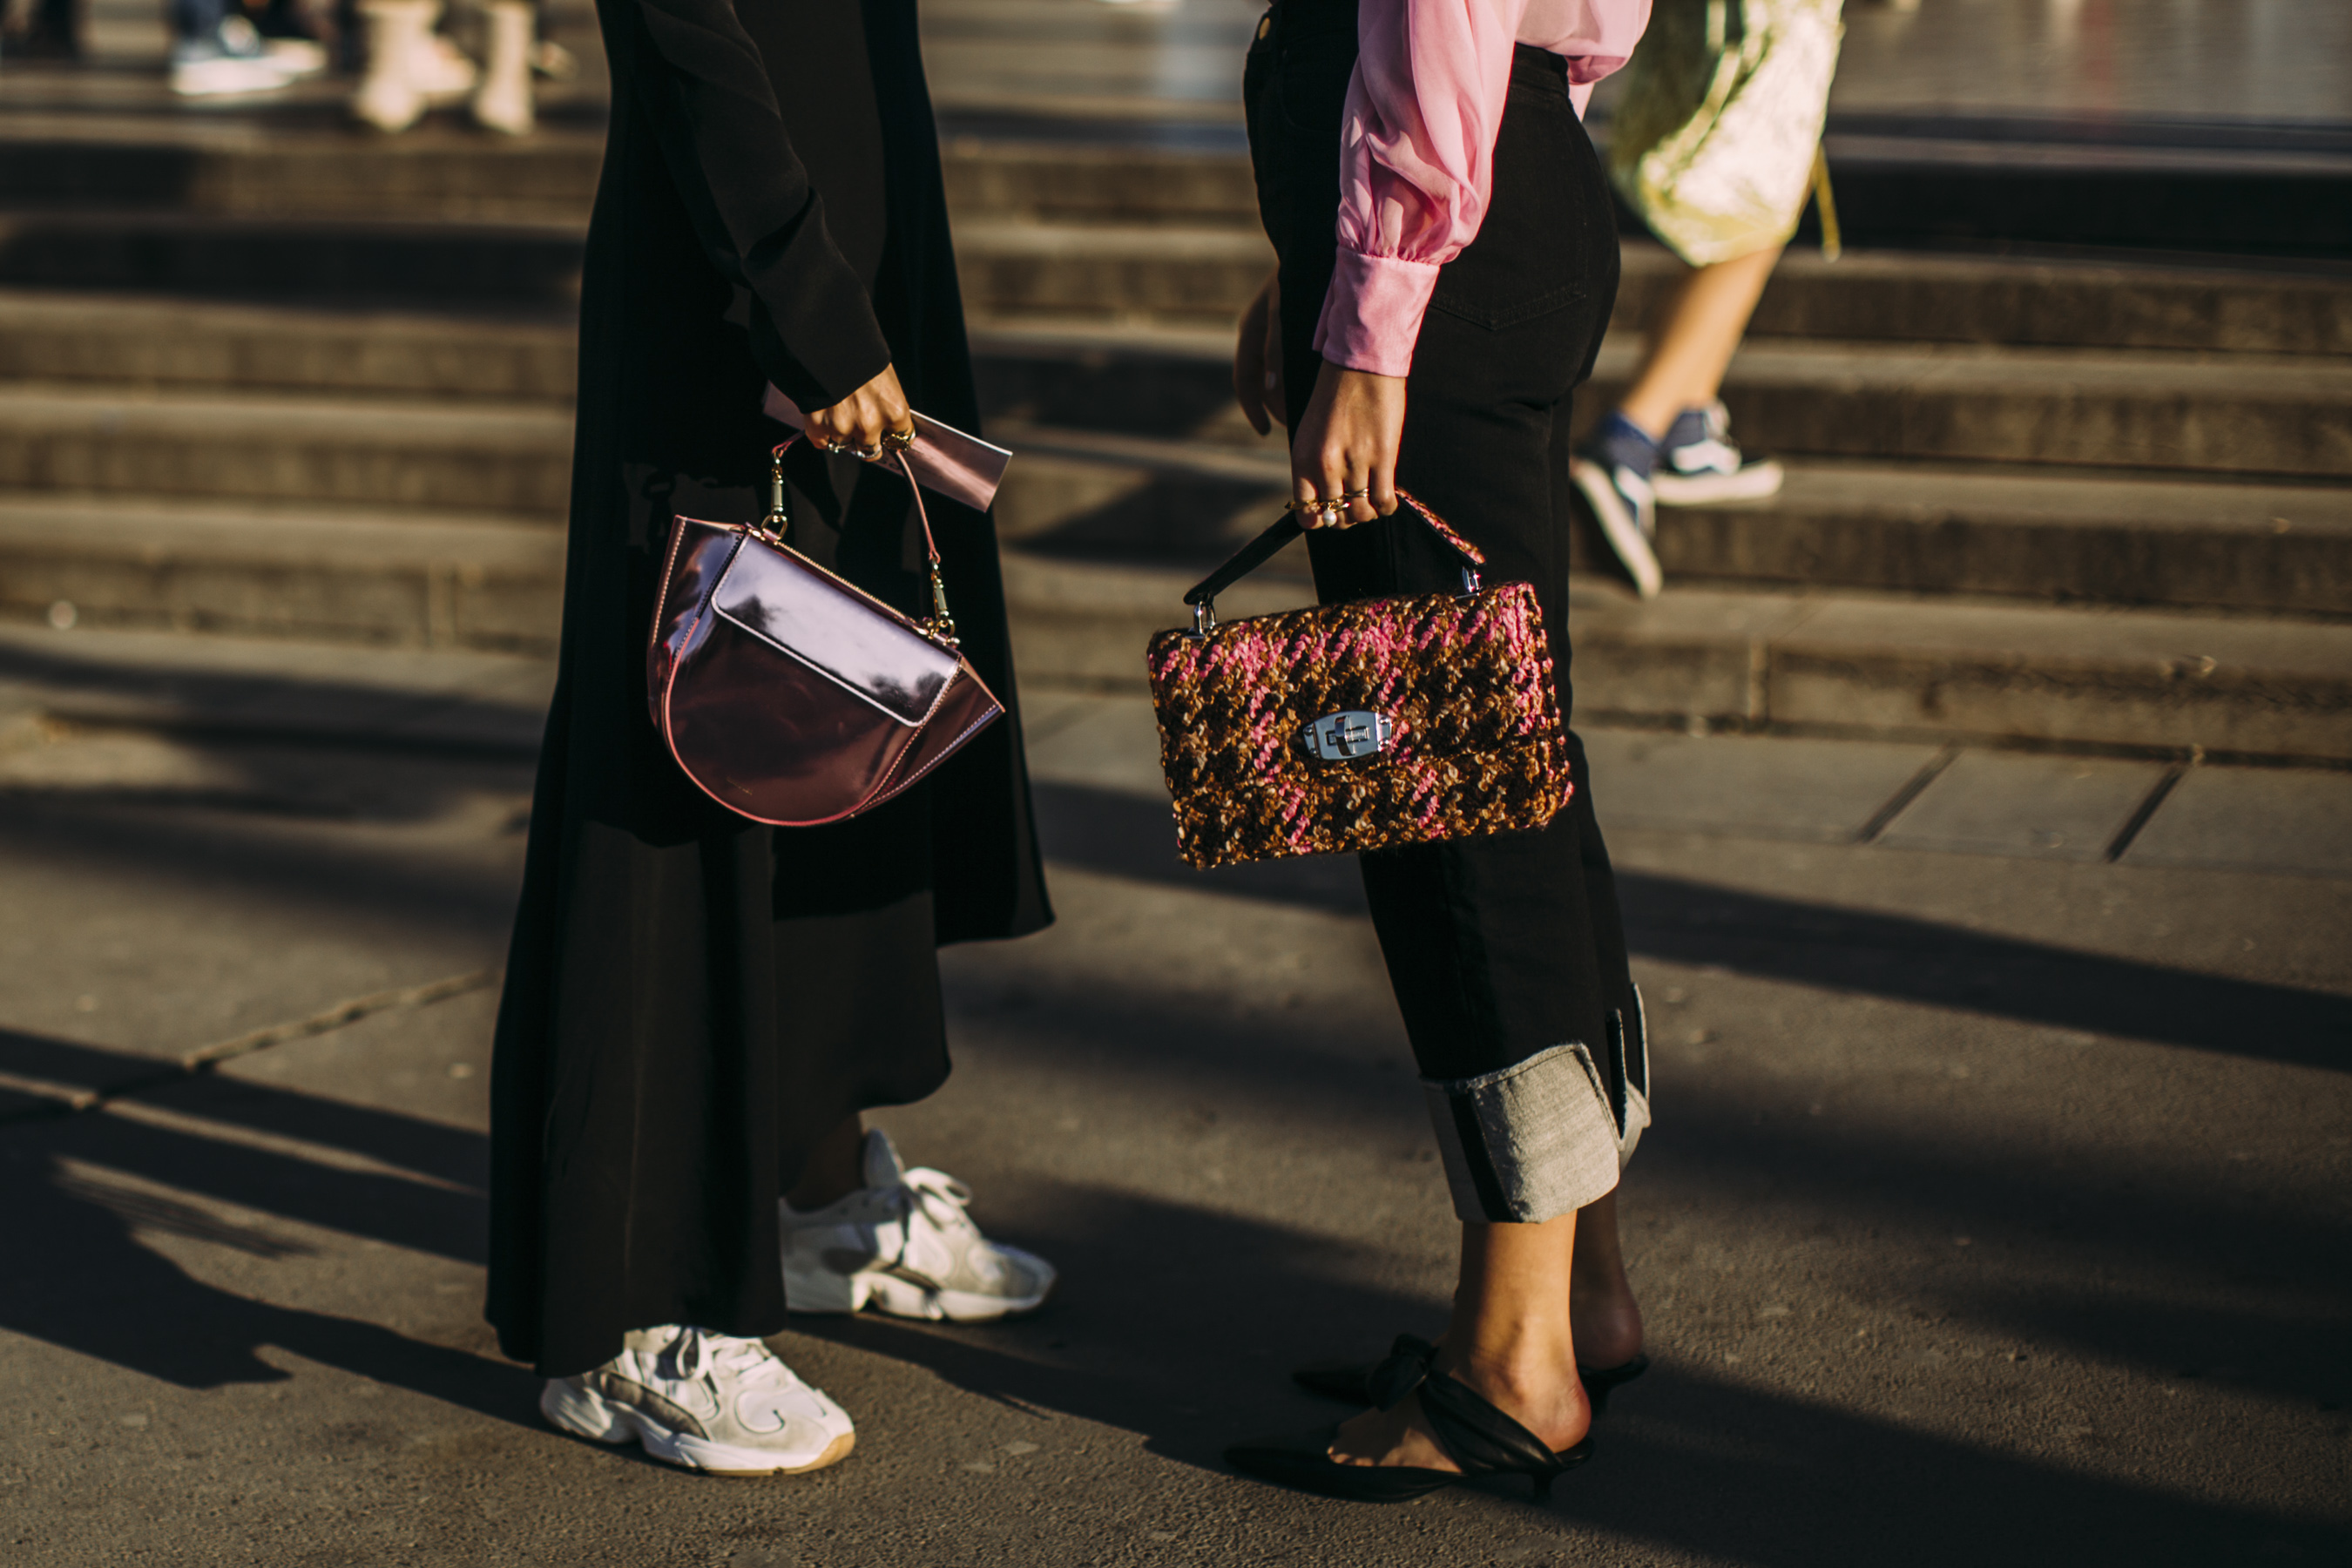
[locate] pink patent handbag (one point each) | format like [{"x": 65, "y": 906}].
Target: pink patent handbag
[{"x": 790, "y": 696}]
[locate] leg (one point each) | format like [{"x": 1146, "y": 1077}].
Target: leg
[
  {"x": 1670, "y": 441},
  {"x": 1510, "y": 1339},
  {"x": 1600, "y": 1305},
  {"x": 1692, "y": 334}
]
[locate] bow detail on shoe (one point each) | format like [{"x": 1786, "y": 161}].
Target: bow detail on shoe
[
  {"x": 1400, "y": 1371},
  {"x": 1484, "y": 1439}
]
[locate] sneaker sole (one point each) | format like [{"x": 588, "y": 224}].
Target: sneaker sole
[
  {"x": 1620, "y": 527},
  {"x": 1754, "y": 481},
  {"x": 584, "y": 1413}
]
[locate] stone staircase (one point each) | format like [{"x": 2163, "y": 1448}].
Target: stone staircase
[{"x": 319, "y": 387}]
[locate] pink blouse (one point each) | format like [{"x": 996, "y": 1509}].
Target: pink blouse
[{"x": 1417, "y": 148}]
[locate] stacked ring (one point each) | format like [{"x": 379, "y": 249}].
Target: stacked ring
[
  {"x": 1317, "y": 512},
  {"x": 892, "y": 441}
]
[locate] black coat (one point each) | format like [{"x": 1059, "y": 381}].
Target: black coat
[{"x": 770, "y": 209}]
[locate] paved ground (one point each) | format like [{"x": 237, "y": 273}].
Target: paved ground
[{"x": 1996, "y": 1211}]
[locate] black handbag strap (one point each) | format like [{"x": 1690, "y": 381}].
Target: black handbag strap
[{"x": 1270, "y": 544}]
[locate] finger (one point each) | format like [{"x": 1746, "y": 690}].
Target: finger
[
  {"x": 1339, "y": 470},
  {"x": 1382, "y": 483},
  {"x": 873, "y": 418}
]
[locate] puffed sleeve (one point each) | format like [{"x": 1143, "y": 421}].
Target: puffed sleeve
[
  {"x": 1416, "y": 166},
  {"x": 704, "y": 92}
]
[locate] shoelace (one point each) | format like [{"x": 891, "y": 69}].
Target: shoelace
[
  {"x": 938, "y": 1197},
  {"x": 701, "y": 1355}
]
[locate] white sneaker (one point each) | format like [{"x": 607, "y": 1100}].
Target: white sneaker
[
  {"x": 706, "y": 1402},
  {"x": 503, "y": 102},
  {"x": 904, "y": 1244}
]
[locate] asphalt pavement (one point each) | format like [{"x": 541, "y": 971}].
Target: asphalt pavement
[{"x": 1996, "y": 1209}]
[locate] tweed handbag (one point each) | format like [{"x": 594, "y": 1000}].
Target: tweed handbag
[{"x": 1356, "y": 726}]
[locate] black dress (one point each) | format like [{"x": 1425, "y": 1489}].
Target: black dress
[{"x": 691, "y": 997}]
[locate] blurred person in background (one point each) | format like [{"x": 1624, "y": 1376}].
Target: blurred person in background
[
  {"x": 1716, "y": 143},
  {"x": 698, "y": 1007},
  {"x": 42, "y": 30},
  {"x": 411, "y": 67}
]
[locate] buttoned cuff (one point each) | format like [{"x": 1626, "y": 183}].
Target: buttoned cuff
[{"x": 1371, "y": 314}]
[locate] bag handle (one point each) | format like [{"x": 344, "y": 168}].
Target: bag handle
[
  {"x": 1266, "y": 545},
  {"x": 771, "y": 528}
]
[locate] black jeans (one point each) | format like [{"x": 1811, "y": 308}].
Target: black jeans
[{"x": 1506, "y": 953}]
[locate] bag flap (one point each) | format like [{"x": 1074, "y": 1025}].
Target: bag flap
[{"x": 797, "y": 607}]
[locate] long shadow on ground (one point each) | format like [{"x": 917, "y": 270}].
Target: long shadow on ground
[{"x": 1787, "y": 939}]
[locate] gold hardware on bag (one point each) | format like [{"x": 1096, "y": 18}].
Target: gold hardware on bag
[
  {"x": 773, "y": 526},
  {"x": 942, "y": 625}
]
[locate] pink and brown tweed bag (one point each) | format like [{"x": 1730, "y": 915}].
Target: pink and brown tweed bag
[{"x": 1360, "y": 725}]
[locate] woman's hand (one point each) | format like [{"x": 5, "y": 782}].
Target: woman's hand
[
  {"x": 1345, "y": 448},
  {"x": 859, "y": 421},
  {"x": 1257, "y": 358}
]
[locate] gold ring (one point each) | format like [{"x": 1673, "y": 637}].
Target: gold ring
[{"x": 899, "y": 440}]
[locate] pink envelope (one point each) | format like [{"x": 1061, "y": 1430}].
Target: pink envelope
[{"x": 960, "y": 467}]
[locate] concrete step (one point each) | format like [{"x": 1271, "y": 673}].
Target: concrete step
[
  {"x": 2277, "y": 189},
  {"x": 295, "y": 259},
  {"x": 1025, "y": 199},
  {"x": 2275, "y": 414},
  {"x": 996, "y": 181},
  {"x": 1831, "y": 663},
  {"x": 2115, "y": 539},
  {"x": 1121, "y": 272},
  {"x": 1834, "y": 662},
  {"x": 457, "y": 580},
  {"x": 1078, "y": 490},
  {"x": 1133, "y": 232},
  {"x": 2239, "y": 413},
  {"x": 1895, "y": 295},
  {"x": 223, "y": 347},
  {"x": 1084, "y": 494},
  {"x": 197, "y": 167},
  {"x": 80, "y": 438},
  {"x": 1906, "y": 528}
]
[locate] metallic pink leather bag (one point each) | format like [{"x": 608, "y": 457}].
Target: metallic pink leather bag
[{"x": 790, "y": 696}]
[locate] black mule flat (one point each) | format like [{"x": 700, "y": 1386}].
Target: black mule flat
[
  {"x": 1350, "y": 1382},
  {"x": 1479, "y": 1437}
]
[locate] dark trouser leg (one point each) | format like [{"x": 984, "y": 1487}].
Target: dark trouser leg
[{"x": 1507, "y": 954}]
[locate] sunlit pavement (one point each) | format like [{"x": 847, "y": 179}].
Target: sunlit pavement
[{"x": 1994, "y": 1210}]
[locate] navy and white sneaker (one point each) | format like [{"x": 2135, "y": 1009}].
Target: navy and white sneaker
[
  {"x": 1613, "y": 471},
  {"x": 1698, "y": 462},
  {"x": 231, "y": 60}
]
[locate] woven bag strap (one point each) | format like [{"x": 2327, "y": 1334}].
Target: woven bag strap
[{"x": 1270, "y": 544}]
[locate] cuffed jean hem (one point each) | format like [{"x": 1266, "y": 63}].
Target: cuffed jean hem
[
  {"x": 1528, "y": 1144},
  {"x": 1548, "y": 1135}
]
